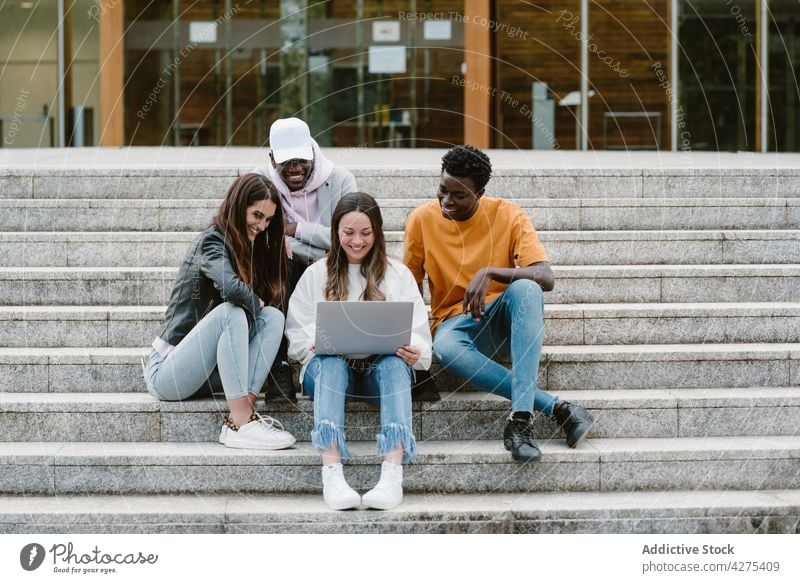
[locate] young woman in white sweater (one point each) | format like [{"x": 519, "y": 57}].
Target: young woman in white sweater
[{"x": 357, "y": 269}]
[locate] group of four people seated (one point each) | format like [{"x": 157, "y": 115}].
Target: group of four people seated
[{"x": 298, "y": 232}]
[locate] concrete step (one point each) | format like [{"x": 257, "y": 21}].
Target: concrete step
[
  {"x": 599, "y": 465},
  {"x": 549, "y": 214},
  {"x": 462, "y": 416},
  {"x": 675, "y": 512},
  {"x": 566, "y": 324},
  {"x": 126, "y": 180},
  {"x": 151, "y": 249},
  {"x": 148, "y": 286},
  {"x": 563, "y": 368}
]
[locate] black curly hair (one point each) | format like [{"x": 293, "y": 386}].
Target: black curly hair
[{"x": 468, "y": 162}]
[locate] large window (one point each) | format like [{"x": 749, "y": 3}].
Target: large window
[
  {"x": 628, "y": 55},
  {"x": 566, "y": 74},
  {"x": 784, "y": 76},
  {"x": 537, "y": 66},
  {"x": 718, "y": 74},
  {"x": 28, "y": 74},
  {"x": 540, "y": 44},
  {"x": 200, "y": 72},
  {"x": 31, "y": 95},
  {"x": 257, "y": 63},
  {"x": 416, "y": 105},
  {"x": 641, "y": 80}
]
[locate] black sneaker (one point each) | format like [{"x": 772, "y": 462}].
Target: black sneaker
[
  {"x": 280, "y": 383},
  {"x": 574, "y": 420},
  {"x": 518, "y": 439},
  {"x": 425, "y": 388}
]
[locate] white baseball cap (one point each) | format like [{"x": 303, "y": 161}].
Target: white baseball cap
[{"x": 290, "y": 138}]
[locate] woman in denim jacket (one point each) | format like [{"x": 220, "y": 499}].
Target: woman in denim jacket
[
  {"x": 357, "y": 269},
  {"x": 223, "y": 313}
]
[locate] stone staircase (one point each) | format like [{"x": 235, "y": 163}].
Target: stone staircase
[{"x": 675, "y": 319}]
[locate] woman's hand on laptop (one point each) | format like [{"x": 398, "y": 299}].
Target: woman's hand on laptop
[{"x": 409, "y": 353}]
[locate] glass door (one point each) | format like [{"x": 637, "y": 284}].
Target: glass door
[
  {"x": 29, "y": 105},
  {"x": 217, "y": 72},
  {"x": 718, "y": 74},
  {"x": 784, "y": 76},
  {"x": 381, "y": 73}
]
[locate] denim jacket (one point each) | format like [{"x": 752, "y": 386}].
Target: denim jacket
[{"x": 205, "y": 280}]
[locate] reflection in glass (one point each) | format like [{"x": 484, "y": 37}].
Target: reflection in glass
[
  {"x": 718, "y": 74},
  {"x": 230, "y": 90},
  {"x": 538, "y": 45},
  {"x": 28, "y": 74},
  {"x": 628, "y": 67},
  {"x": 784, "y": 76}
]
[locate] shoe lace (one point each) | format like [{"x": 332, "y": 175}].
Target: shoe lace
[
  {"x": 524, "y": 429},
  {"x": 565, "y": 413},
  {"x": 267, "y": 422},
  {"x": 527, "y": 431}
]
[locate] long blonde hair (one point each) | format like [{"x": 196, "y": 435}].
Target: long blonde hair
[{"x": 373, "y": 268}]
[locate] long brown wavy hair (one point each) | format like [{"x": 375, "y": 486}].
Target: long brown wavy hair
[
  {"x": 373, "y": 268},
  {"x": 262, "y": 264}
]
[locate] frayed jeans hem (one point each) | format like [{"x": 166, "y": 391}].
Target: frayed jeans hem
[
  {"x": 327, "y": 435},
  {"x": 394, "y": 436}
]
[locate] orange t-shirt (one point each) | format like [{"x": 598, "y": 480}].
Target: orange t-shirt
[{"x": 499, "y": 234}]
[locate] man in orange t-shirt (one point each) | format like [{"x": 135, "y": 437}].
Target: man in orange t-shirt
[{"x": 487, "y": 272}]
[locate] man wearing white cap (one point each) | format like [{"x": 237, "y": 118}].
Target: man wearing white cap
[{"x": 310, "y": 187}]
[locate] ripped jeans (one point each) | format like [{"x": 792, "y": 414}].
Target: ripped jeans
[{"x": 385, "y": 381}]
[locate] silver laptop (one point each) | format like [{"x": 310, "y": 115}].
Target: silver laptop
[{"x": 363, "y": 327}]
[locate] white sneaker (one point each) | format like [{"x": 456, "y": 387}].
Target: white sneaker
[
  {"x": 261, "y": 433},
  {"x": 388, "y": 492},
  {"x": 335, "y": 489}
]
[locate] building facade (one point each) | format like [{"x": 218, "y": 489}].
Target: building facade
[{"x": 550, "y": 74}]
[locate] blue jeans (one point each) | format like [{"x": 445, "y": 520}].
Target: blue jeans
[
  {"x": 513, "y": 326},
  {"x": 221, "y": 339},
  {"x": 330, "y": 381}
]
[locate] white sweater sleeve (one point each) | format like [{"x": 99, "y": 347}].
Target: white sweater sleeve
[
  {"x": 407, "y": 291},
  {"x": 301, "y": 317}
]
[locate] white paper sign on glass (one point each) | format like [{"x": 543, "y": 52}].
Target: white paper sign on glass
[
  {"x": 387, "y": 59},
  {"x": 386, "y": 31},
  {"x": 437, "y": 30},
  {"x": 203, "y": 32}
]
